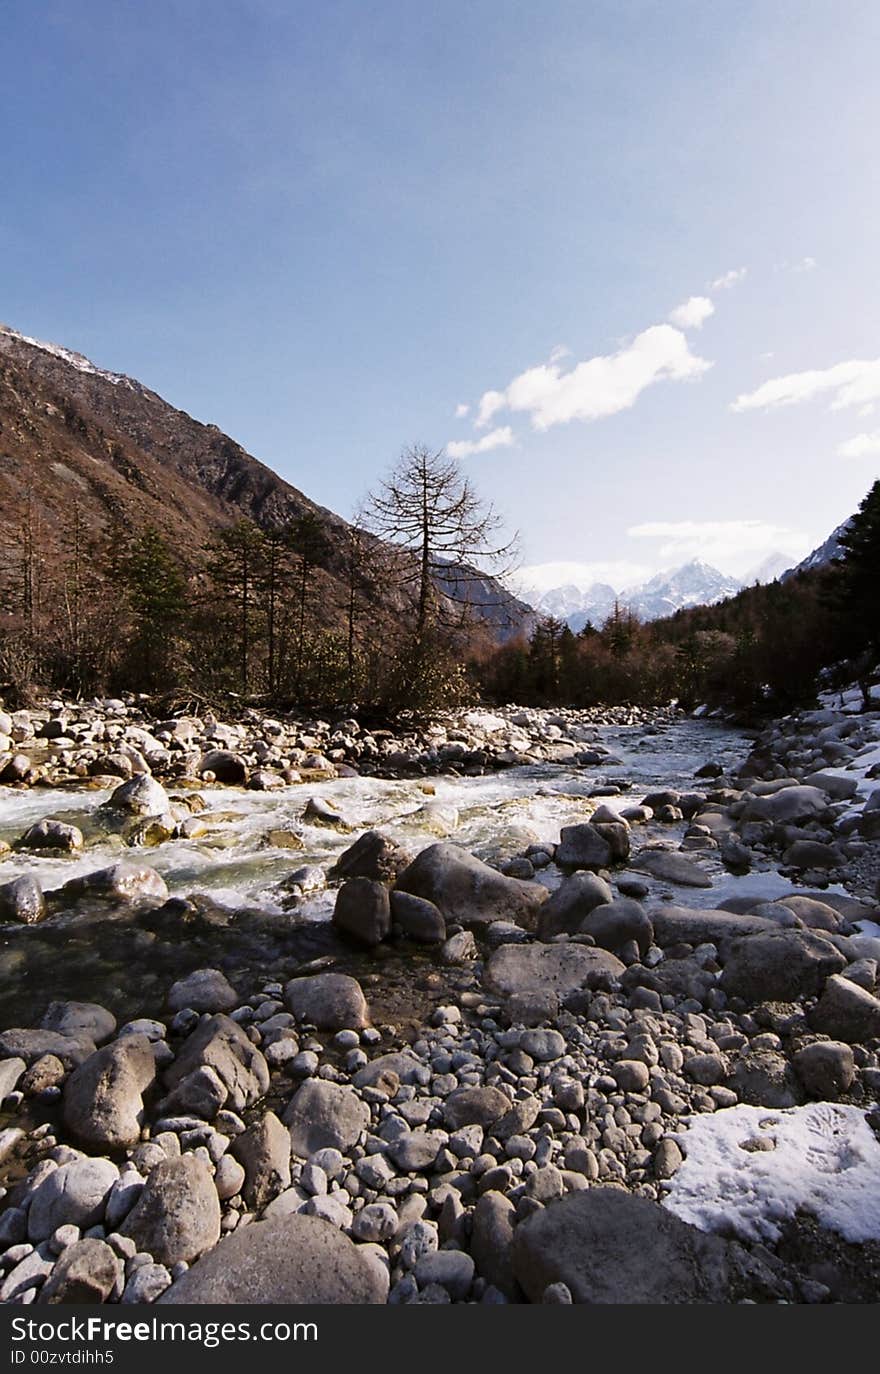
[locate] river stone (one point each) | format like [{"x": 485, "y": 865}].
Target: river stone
[
  {"x": 468, "y": 891},
  {"x": 583, "y": 846},
  {"x": 573, "y": 900},
  {"x": 205, "y": 989},
  {"x": 615, "y": 923},
  {"x": 416, "y": 1151},
  {"x": 31, "y": 1045},
  {"x": 363, "y": 910},
  {"x": 405, "y": 1067},
  {"x": 826, "y": 1069},
  {"x": 177, "y": 1216},
  {"x": 558, "y": 969},
  {"x": 838, "y": 787},
  {"x": 287, "y": 1261},
  {"x": 418, "y": 918},
  {"x": 226, "y": 766},
  {"x": 847, "y": 1012},
  {"x": 670, "y": 867},
  {"x": 811, "y": 854},
  {"x": 121, "y": 882},
  {"x": 675, "y": 925},
  {"x": 608, "y": 1246},
  {"x": 264, "y": 1151},
  {"x": 85, "y": 1273},
  {"x": 329, "y": 1001},
  {"x": 22, "y": 900},
  {"x": 816, "y": 915},
  {"x": 48, "y": 834},
  {"x": 142, "y": 795},
  {"x": 11, "y": 1071},
  {"x": 221, "y": 1043},
  {"x": 324, "y": 1115},
  {"x": 787, "y": 806},
  {"x": 492, "y": 1242},
  {"x": 102, "y": 1103},
  {"x": 74, "y": 1194},
  {"x": 765, "y": 1079},
  {"x": 373, "y": 856},
  {"x": 79, "y": 1019},
  {"x": 779, "y": 965},
  {"x": 480, "y": 1106},
  {"x": 201, "y": 1093}
]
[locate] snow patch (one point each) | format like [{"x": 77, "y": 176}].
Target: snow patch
[
  {"x": 823, "y": 1159},
  {"x": 77, "y": 360}
]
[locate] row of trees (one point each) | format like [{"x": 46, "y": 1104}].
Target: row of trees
[
  {"x": 761, "y": 649},
  {"x": 377, "y": 613}
]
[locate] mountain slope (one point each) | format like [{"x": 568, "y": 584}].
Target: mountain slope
[
  {"x": 694, "y": 584},
  {"x": 74, "y": 436}
]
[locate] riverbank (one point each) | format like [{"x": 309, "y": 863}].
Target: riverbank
[{"x": 456, "y": 1056}]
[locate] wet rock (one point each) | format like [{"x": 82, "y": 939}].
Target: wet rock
[
  {"x": 418, "y": 918},
  {"x": 85, "y": 1273},
  {"x": 779, "y": 965},
  {"x": 826, "y": 1069},
  {"x": 73, "y": 1194},
  {"x": 22, "y": 900},
  {"x": 671, "y": 867},
  {"x": 80, "y": 1019},
  {"x": 373, "y": 856},
  {"x": 205, "y": 989},
  {"x": 555, "y": 969},
  {"x": 363, "y": 910},
  {"x": 787, "y": 806},
  {"x": 567, "y": 907},
  {"x": 287, "y": 1261},
  {"x": 847, "y": 1012},
  {"x": 675, "y": 925},
  {"x": 330, "y": 1001},
  {"x": 608, "y": 1246},
  {"x": 121, "y": 882},
  {"x": 222, "y": 1044},
  {"x": 264, "y": 1152},
  {"x": 317, "y": 812},
  {"x": 49, "y": 834},
  {"x": 227, "y": 767},
  {"x": 177, "y": 1216},
  {"x": 469, "y": 892},
  {"x": 102, "y": 1104},
  {"x": 325, "y": 1115},
  {"x": 142, "y": 795},
  {"x": 583, "y": 846}
]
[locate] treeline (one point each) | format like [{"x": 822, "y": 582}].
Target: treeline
[
  {"x": 760, "y": 650},
  {"x": 313, "y": 613}
]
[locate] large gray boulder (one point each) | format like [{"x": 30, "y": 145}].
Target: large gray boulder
[
  {"x": 287, "y": 1261},
  {"x": 575, "y": 898},
  {"x": 177, "y": 1215},
  {"x": 142, "y": 795},
  {"x": 373, "y": 856},
  {"x": 79, "y": 1019},
  {"x": 205, "y": 989},
  {"x": 102, "y": 1103},
  {"x": 468, "y": 891},
  {"x": 72, "y": 1195},
  {"x": 779, "y": 965},
  {"x": 671, "y": 867},
  {"x": 324, "y": 1115},
  {"x": 22, "y": 900},
  {"x": 264, "y": 1151},
  {"x": 418, "y": 918},
  {"x": 558, "y": 969},
  {"x": 608, "y": 1246},
  {"x": 220, "y": 1043},
  {"x": 615, "y": 923},
  {"x": 363, "y": 910},
  {"x": 675, "y": 925},
  {"x": 583, "y": 846},
  {"x": 329, "y": 1001},
  {"x": 847, "y": 1012},
  {"x": 787, "y": 806}
]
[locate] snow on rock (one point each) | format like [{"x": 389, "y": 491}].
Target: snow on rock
[
  {"x": 749, "y": 1169},
  {"x": 77, "y": 360}
]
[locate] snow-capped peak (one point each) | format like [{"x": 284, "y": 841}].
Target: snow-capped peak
[{"x": 77, "y": 360}]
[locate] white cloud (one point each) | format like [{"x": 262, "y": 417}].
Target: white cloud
[
  {"x": 600, "y": 386},
  {"x": 862, "y": 446},
  {"x": 731, "y": 545},
  {"x": 464, "y": 448},
  {"x": 804, "y": 265},
  {"x": 728, "y": 279},
  {"x": 854, "y": 383},
  {"x": 692, "y": 315},
  {"x": 461, "y": 411}
]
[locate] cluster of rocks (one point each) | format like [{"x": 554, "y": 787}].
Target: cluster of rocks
[{"x": 110, "y": 739}]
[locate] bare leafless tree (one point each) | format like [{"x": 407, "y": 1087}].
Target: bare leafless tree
[{"x": 428, "y": 506}]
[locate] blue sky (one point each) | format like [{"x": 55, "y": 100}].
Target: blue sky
[{"x": 325, "y": 227}]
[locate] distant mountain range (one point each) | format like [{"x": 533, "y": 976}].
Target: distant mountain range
[{"x": 693, "y": 584}]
